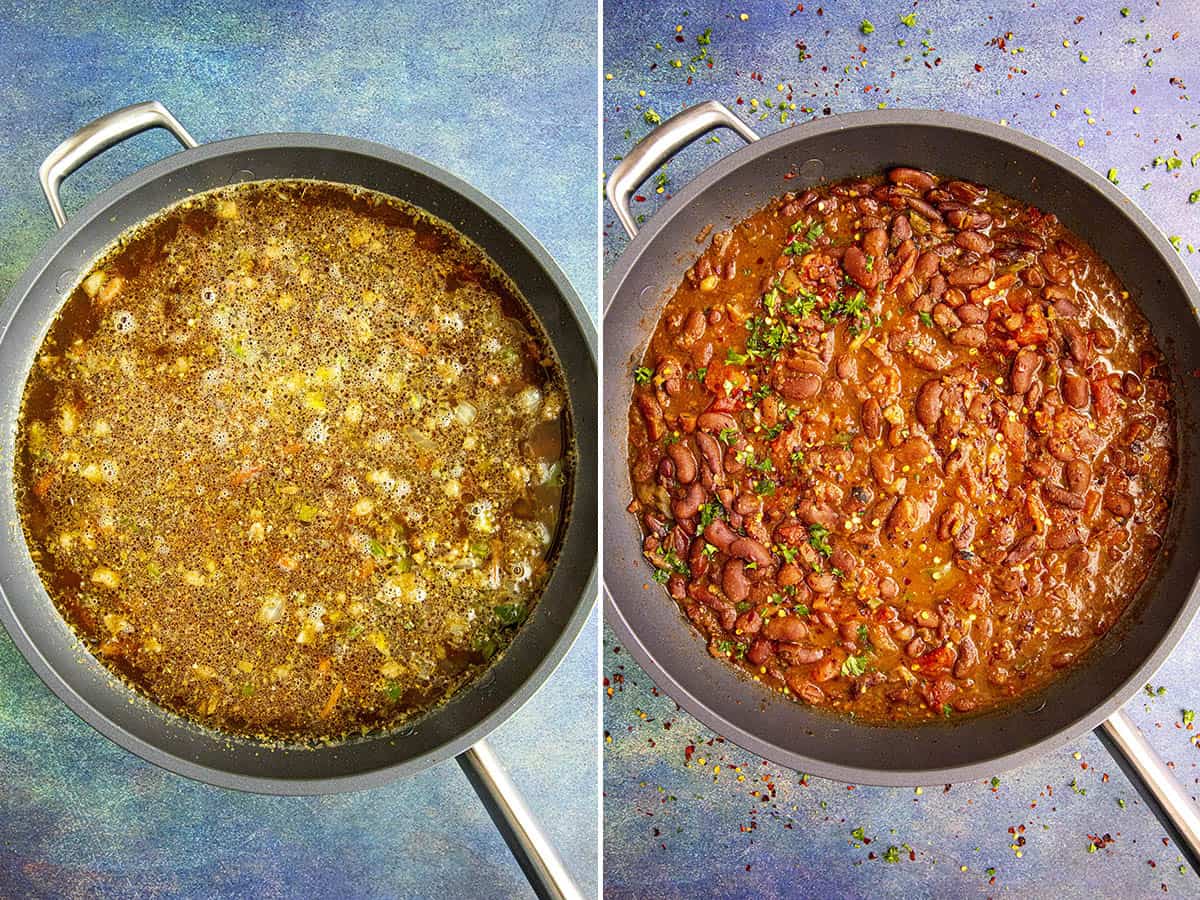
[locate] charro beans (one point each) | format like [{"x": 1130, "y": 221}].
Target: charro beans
[{"x": 910, "y": 422}]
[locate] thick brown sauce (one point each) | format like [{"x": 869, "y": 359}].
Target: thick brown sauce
[
  {"x": 293, "y": 458},
  {"x": 901, "y": 447}
]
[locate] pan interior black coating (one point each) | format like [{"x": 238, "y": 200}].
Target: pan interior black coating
[
  {"x": 173, "y": 742},
  {"x": 649, "y": 623}
]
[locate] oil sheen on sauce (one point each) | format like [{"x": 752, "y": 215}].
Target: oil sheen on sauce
[{"x": 292, "y": 460}]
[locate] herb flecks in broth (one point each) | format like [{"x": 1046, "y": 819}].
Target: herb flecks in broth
[{"x": 292, "y": 459}]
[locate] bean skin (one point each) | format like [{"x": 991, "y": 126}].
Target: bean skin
[
  {"x": 855, "y": 263},
  {"x": 872, "y": 419},
  {"x": 1119, "y": 504},
  {"x": 785, "y": 628},
  {"x": 969, "y": 336},
  {"x": 712, "y": 453},
  {"x": 800, "y": 387},
  {"x": 875, "y": 243},
  {"x": 751, "y": 550},
  {"x": 1025, "y": 366},
  {"x": 715, "y": 422},
  {"x": 1075, "y": 390},
  {"x": 970, "y": 276},
  {"x": 734, "y": 582},
  {"x": 913, "y": 178},
  {"x": 685, "y": 462},
  {"x": 720, "y": 535},
  {"x": 1078, "y": 475},
  {"x": 1061, "y": 497},
  {"x": 689, "y": 504},
  {"x": 929, "y": 403}
]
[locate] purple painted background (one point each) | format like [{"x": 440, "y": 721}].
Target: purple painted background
[{"x": 688, "y": 815}]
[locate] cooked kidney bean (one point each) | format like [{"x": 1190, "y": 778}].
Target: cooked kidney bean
[{"x": 883, "y": 469}]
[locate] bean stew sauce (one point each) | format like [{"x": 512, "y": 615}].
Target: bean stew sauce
[{"x": 901, "y": 447}]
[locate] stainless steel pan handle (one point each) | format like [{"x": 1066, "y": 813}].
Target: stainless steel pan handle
[
  {"x": 533, "y": 850},
  {"x": 660, "y": 145},
  {"x": 96, "y": 137},
  {"x": 1154, "y": 781}
]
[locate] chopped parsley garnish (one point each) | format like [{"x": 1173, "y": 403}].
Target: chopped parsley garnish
[
  {"x": 713, "y": 509},
  {"x": 853, "y": 666},
  {"x": 853, "y": 308},
  {"x": 662, "y": 576},
  {"x": 643, "y": 374},
  {"x": 1189, "y": 716},
  {"x": 866, "y": 27},
  {"x": 709, "y": 549},
  {"x": 892, "y": 853},
  {"x": 775, "y": 430},
  {"x": 767, "y": 337},
  {"x": 910, "y": 20},
  {"x": 651, "y": 117},
  {"x": 765, "y": 487},
  {"x": 678, "y": 565},
  {"x": 927, "y": 319},
  {"x": 727, "y": 435},
  {"x": 700, "y": 373},
  {"x": 818, "y": 537},
  {"x": 733, "y": 358},
  {"x": 801, "y": 610},
  {"x": 758, "y": 394},
  {"x": 802, "y": 304},
  {"x": 788, "y": 553}
]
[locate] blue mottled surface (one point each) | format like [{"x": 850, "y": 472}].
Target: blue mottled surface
[
  {"x": 503, "y": 96},
  {"x": 680, "y": 829}
]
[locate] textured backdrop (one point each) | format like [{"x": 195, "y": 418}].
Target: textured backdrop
[
  {"x": 687, "y": 815},
  {"x": 503, "y": 97}
]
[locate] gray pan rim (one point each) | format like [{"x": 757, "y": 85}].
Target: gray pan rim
[
  {"x": 614, "y": 511},
  {"x": 364, "y": 780}
]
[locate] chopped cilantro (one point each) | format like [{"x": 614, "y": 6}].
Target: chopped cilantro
[
  {"x": 818, "y": 537},
  {"x": 709, "y": 511},
  {"x": 651, "y": 117},
  {"x": 801, "y": 610},
  {"x": 853, "y": 666},
  {"x": 927, "y": 319},
  {"x": 788, "y": 553},
  {"x": 892, "y": 853},
  {"x": 643, "y": 374},
  {"x": 767, "y": 337},
  {"x": 866, "y": 27},
  {"x": 1112, "y": 176},
  {"x": 910, "y": 20},
  {"x": 1189, "y": 716},
  {"x": 764, "y": 487},
  {"x": 1194, "y": 197},
  {"x": 726, "y": 435},
  {"x": 662, "y": 576},
  {"x": 733, "y": 358}
]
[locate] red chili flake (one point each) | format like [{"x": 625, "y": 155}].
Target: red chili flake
[
  {"x": 978, "y": 67},
  {"x": 639, "y": 198},
  {"x": 688, "y": 751}
]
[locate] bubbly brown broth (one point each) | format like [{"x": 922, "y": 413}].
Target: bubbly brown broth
[{"x": 292, "y": 460}]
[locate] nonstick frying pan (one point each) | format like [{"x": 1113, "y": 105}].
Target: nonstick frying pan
[
  {"x": 456, "y": 729},
  {"x": 648, "y": 621}
]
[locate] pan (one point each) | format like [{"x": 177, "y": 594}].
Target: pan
[
  {"x": 456, "y": 729},
  {"x": 1089, "y": 695}
]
